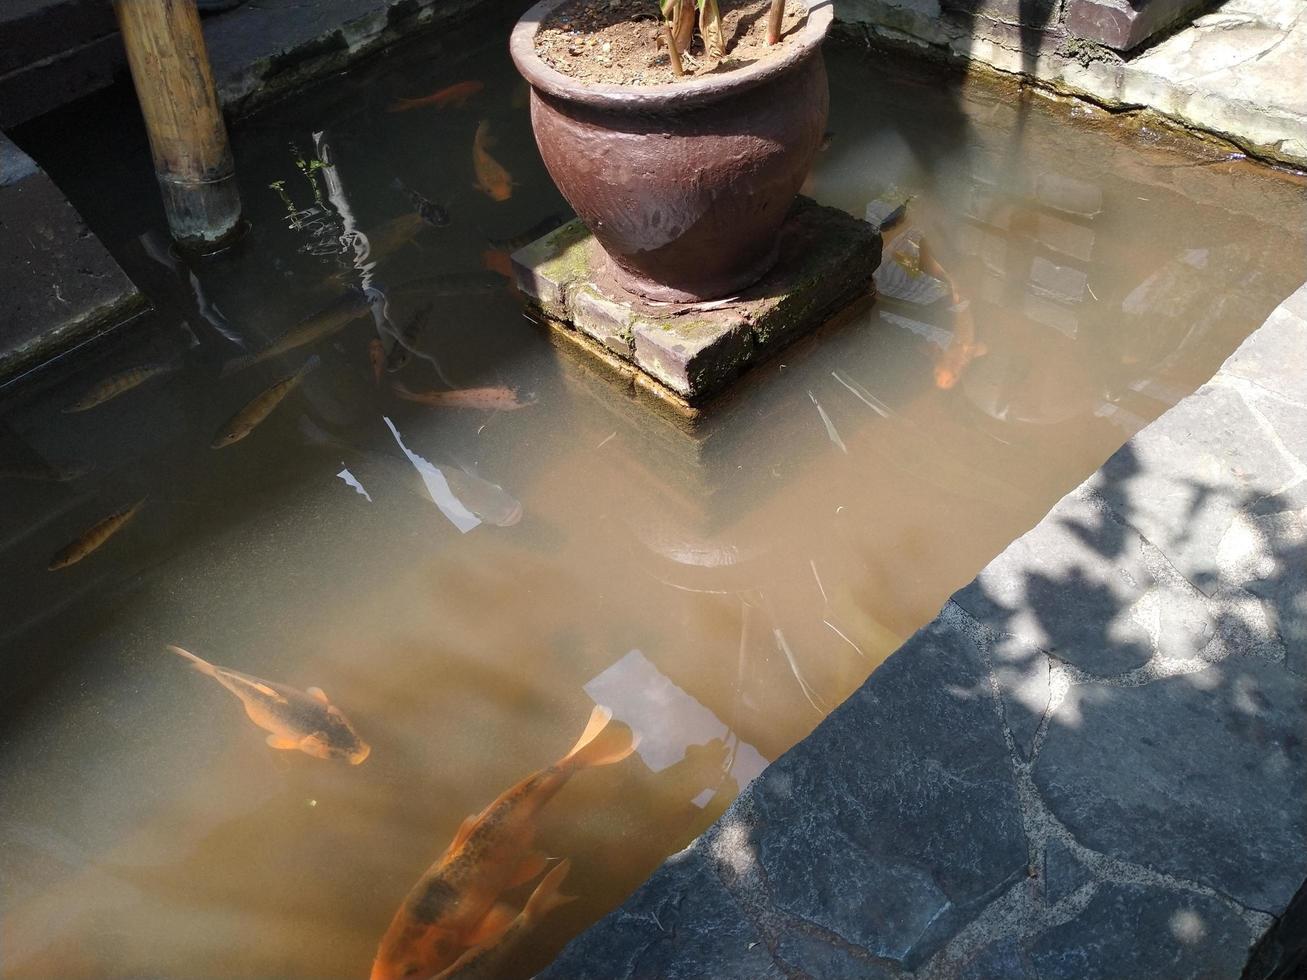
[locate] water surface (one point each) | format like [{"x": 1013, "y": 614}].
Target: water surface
[{"x": 467, "y": 583}]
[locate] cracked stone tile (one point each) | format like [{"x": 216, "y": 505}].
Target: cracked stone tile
[
  {"x": 1077, "y": 586},
  {"x": 1024, "y": 682},
  {"x": 821, "y": 959},
  {"x": 680, "y": 925},
  {"x": 1062, "y": 873},
  {"x": 1281, "y": 340},
  {"x": 919, "y": 809},
  {"x": 1002, "y": 958},
  {"x": 1201, "y": 776},
  {"x": 1137, "y": 931},
  {"x": 1183, "y": 480}
]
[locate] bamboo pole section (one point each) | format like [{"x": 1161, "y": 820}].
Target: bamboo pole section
[
  {"x": 188, "y": 139},
  {"x": 774, "y": 17}
]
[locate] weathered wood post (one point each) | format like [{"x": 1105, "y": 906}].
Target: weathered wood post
[{"x": 174, "y": 85}]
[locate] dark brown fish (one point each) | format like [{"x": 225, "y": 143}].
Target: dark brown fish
[
  {"x": 94, "y": 537},
  {"x": 117, "y": 384},
  {"x": 496, "y": 398},
  {"x": 260, "y": 407}
]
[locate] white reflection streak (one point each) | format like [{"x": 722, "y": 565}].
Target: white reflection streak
[
  {"x": 352, "y": 481},
  {"x": 437, "y": 486},
  {"x": 813, "y": 697},
  {"x": 666, "y": 718},
  {"x": 863, "y": 395},
  {"x": 830, "y": 426}
]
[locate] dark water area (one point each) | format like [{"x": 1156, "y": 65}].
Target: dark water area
[{"x": 467, "y": 581}]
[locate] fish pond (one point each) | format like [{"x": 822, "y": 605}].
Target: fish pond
[{"x": 343, "y": 462}]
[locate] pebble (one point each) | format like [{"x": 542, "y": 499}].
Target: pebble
[{"x": 607, "y": 47}]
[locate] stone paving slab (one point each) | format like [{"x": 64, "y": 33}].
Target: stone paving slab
[
  {"x": 696, "y": 350},
  {"x": 1238, "y": 72},
  {"x": 57, "y": 282},
  {"x": 1092, "y": 763}
]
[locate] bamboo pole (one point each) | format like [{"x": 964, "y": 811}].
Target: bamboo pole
[
  {"x": 774, "y": 17},
  {"x": 174, "y": 86}
]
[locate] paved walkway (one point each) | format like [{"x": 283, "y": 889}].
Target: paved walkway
[
  {"x": 1238, "y": 72},
  {"x": 1091, "y": 764}
]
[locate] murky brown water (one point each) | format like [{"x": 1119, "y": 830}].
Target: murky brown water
[{"x": 720, "y": 591}]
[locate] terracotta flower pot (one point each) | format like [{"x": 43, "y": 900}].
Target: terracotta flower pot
[{"x": 685, "y": 185}]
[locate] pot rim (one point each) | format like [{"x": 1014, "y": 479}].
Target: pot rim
[{"x": 665, "y": 96}]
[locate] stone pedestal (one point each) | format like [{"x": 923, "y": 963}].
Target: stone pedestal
[{"x": 692, "y": 352}]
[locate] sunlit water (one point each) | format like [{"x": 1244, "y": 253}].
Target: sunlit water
[{"x": 719, "y": 590}]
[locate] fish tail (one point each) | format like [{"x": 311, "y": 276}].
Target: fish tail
[
  {"x": 403, "y": 105},
  {"x": 199, "y": 663},
  {"x": 547, "y": 897},
  {"x": 403, "y": 392},
  {"x": 590, "y": 751}
]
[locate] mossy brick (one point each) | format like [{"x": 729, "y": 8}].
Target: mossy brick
[
  {"x": 550, "y": 266},
  {"x": 826, "y": 261}
]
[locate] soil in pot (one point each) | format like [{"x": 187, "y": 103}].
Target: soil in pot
[{"x": 617, "y": 42}]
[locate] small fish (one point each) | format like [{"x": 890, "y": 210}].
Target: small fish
[
  {"x": 302, "y": 720},
  {"x": 429, "y": 211},
  {"x": 487, "y": 959},
  {"x": 488, "y": 501},
  {"x": 499, "y": 398},
  {"x": 117, "y": 384},
  {"x": 538, "y": 230},
  {"x": 454, "y": 95},
  {"x": 260, "y": 407},
  {"x": 43, "y": 472},
  {"x": 492, "y": 852},
  {"x": 492, "y": 179},
  {"x": 377, "y": 357},
  {"x": 311, "y": 329},
  {"x": 94, "y": 537}
]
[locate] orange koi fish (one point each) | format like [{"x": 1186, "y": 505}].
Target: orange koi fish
[
  {"x": 964, "y": 348},
  {"x": 452, "y": 906},
  {"x": 492, "y": 179},
  {"x": 486, "y": 960},
  {"x": 94, "y": 537},
  {"x": 377, "y": 357},
  {"x": 305, "y": 721},
  {"x": 454, "y": 95},
  {"x": 498, "y": 398}
]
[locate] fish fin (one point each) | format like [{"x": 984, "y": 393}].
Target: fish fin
[
  {"x": 314, "y": 745},
  {"x": 546, "y": 897},
  {"x": 463, "y": 833},
  {"x": 282, "y": 742},
  {"x": 531, "y": 865},
  {"x": 318, "y": 694},
  {"x": 264, "y": 689},
  {"x": 403, "y": 105},
  {"x": 492, "y": 925},
  {"x": 199, "y": 663},
  {"x": 589, "y": 751}
]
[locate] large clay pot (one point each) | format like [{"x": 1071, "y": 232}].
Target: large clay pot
[{"x": 684, "y": 185}]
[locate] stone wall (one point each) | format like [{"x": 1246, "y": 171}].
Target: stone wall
[{"x": 1238, "y": 71}]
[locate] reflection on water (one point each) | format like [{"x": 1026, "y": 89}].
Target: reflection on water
[{"x": 471, "y": 540}]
